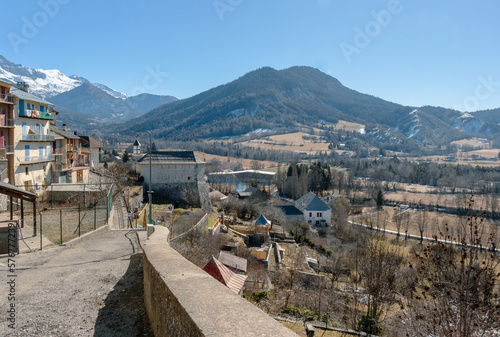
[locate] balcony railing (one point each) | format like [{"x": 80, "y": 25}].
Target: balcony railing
[
  {"x": 38, "y": 138},
  {"x": 6, "y": 122},
  {"x": 58, "y": 151},
  {"x": 36, "y": 159},
  {"x": 35, "y": 114},
  {"x": 7, "y": 98},
  {"x": 7, "y": 148}
]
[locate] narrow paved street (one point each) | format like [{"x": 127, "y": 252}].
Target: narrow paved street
[{"x": 92, "y": 287}]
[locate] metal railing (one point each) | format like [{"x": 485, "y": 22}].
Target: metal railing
[
  {"x": 36, "y": 159},
  {"x": 31, "y": 137},
  {"x": 6, "y": 98},
  {"x": 6, "y": 122},
  {"x": 35, "y": 114},
  {"x": 7, "y": 148}
]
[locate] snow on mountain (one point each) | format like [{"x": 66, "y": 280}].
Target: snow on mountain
[
  {"x": 110, "y": 91},
  {"x": 42, "y": 83}
]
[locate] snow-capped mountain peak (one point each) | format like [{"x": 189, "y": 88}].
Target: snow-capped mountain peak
[
  {"x": 112, "y": 92},
  {"x": 42, "y": 83}
]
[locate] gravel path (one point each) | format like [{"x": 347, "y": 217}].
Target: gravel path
[{"x": 93, "y": 287}]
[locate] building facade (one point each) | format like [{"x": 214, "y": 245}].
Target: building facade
[
  {"x": 316, "y": 212},
  {"x": 178, "y": 177},
  {"x": 33, "y": 156}
]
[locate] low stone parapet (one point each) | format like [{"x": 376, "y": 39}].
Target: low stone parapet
[{"x": 183, "y": 300}]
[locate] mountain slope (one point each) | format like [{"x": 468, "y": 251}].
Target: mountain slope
[
  {"x": 267, "y": 98},
  {"x": 302, "y": 96},
  {"x": 94, "y": 102}
]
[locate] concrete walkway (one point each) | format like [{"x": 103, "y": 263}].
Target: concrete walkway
[{"x": 91, "y": 287}]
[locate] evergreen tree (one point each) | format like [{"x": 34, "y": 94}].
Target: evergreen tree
[
  {"x": 380, "y": 199},
  {"x": 125, "y": 156}
]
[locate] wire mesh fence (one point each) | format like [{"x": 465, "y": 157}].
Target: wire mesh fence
[{"x": 65, "y": 213}]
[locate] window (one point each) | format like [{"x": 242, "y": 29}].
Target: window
[
  {"x": 27, "y": 170},
  {"x": 41, "y": 108},
  {"x": 310, "y": 214},
  {"x": 318, "y": 214},
  {"x": 40, "y": 153},
  {"x": 25, "y": 130},
  {"x": 26, "y": 152}
]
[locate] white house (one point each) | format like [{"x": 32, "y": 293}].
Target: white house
[{"x": 316, "y": 212}]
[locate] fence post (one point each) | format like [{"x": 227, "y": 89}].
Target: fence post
[
  {"x": 41, "y": 226},
  {"x": 51, "y": 196},
  {"x": 95, "y": 215},
  {"x": 79, "y": 223},
  {"x": 83, "y": 194},
  {"x": 60, "y": 225}
]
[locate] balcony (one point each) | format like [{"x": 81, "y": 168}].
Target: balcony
[
  {"x": 68, "y": 167},
  {"x": 6, "y": 122},
  {"x": 6, "y": 98},
  {"x": 36, "y": 159},
  {"x": 35, "y": 114},
  {"x": 37, "y": 138},
  {"x": 7, "y": 148}
]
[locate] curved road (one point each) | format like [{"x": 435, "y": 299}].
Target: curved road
[{"x": 92, "y": 287}]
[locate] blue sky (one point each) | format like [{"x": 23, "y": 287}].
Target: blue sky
[{"x": 412, "y": 52}]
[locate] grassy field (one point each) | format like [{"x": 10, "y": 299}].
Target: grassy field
[{"x": 296, "y": 142}]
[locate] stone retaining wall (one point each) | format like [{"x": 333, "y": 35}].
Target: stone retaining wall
[{"x": 183, "y": 300}]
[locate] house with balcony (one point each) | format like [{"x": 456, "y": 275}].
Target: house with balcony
[
  {"x": 33, "y": 156},
  {"x": 7, "y": 129},
  {"x": 92, "y": 148},
  {"x": 71, "y": 160}
]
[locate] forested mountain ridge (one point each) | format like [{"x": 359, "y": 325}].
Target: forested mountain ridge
[{"x": 295, "y": 97}]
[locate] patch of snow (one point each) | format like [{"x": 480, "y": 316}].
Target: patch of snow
[{"x": 112, "y": 92}]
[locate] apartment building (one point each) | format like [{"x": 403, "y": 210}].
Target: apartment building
[
  {"x": 71, "y": 158},
  {"x": 7, "y": 130},
  {"x": 33, "y": 157}
]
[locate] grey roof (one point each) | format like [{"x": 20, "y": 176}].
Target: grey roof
[
  {"x": 8, "y": 82},
  {"x": 65, "y": 134},
  {"x": 91, "y": 142},
  {"x": 261, "y": 220},
  {"x": 21, "y": 94},
  {"x": 233, "y": 261},
  {"x": 171, "y": 157},
  {"x": 290, "y": 210},
  {"x": 311, "y": 202}
]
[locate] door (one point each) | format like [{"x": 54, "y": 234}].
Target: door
[
  {"x": 40, "y": 153},
  {"x": 26, "y": 152}
]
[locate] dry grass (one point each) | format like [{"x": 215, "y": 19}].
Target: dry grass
[
  {"x": 247, "y": 164},
  {"x": 296, "y": 142},
  {"x": 348, "y": 126}
]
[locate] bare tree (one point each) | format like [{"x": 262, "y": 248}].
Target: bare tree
[
  {"x": 422, "y": 223},
  {"x": 454, "y": 290}
]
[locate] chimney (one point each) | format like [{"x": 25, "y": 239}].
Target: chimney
[
  {"x": 23, "y": 86},
  {"x": 64, "y": 127}
]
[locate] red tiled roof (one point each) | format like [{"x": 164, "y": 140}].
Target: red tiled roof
[{"x": 224, "y": 275}]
